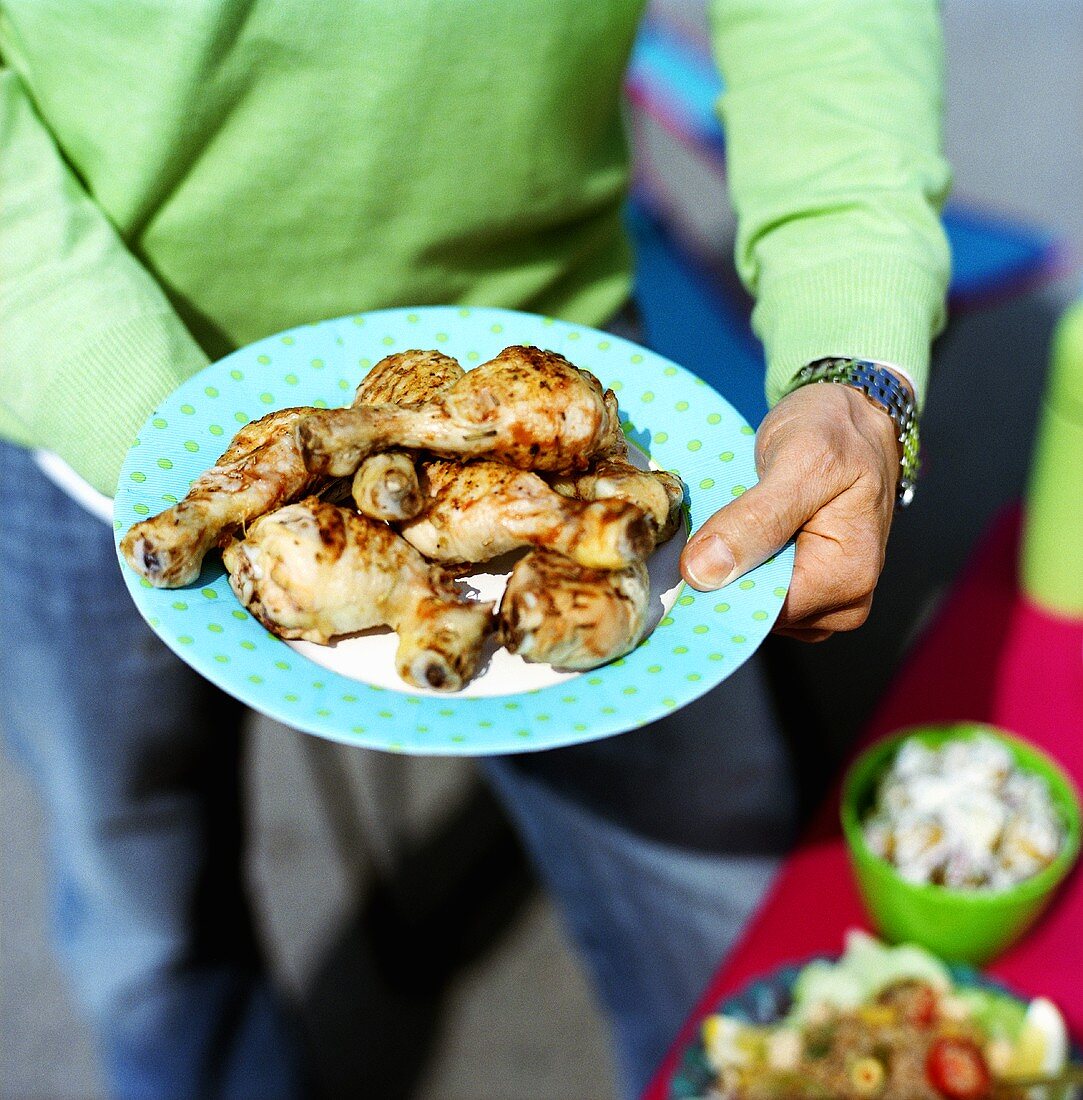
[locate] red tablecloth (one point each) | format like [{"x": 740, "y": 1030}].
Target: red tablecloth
[{"x": 989, "y": 656}]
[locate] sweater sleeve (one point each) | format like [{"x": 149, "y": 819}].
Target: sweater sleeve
[
  {"x": 90, "y": 344},
  {"x": 832, "y": 113}
]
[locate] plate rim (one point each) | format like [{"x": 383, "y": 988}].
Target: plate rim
[{"x": 281, "y": 709}]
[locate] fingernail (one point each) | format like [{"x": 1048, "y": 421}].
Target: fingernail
[{"x": 708, "y": 563}]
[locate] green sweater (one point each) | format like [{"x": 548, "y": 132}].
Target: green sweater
[{"x": 178, "y": 179}]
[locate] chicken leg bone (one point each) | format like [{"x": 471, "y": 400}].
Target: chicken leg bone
[
  {"x": 261, "y": 469},
  {"x": 385, "y": 485}
]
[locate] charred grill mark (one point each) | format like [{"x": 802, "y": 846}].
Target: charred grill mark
[{"x": 331, "y": 528}]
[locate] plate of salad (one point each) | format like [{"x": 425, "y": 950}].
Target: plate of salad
[{"x": 895, "y": 1023}]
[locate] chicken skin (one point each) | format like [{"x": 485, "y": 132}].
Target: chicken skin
[
  {"x": 479, "y": 510},
  {"x": 659, "y": 493},
  {"x": 529, "y": 408},
  {"x": 567, "y": 615},
  {"x": 314, "y": 571},
  {"x": 385, "y": 485},
  {"x": 408, "y": 378},
  {"x": 261, "y": 469}
]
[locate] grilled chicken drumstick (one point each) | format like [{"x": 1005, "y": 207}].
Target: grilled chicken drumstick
[
  {"x": 385, "y": 485},
  {"x": 527, "y": 407},
  {"x": 313, "y": 570},
  {"x": 566, "y": 615},
  {"x": 479, "y": 510},
  {"x": 261, "y": 469}
]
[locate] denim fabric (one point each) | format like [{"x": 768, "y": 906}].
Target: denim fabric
[
  {"x": 657, "y": 846},
  {"x": 136, "y": 759}
]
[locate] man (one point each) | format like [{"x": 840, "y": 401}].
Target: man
[{"x": 181, "y": 179}]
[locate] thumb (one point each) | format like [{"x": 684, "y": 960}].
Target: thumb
[{"x": 755, "y": 526}]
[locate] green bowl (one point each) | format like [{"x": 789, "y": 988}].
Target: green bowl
[{"x": 972, "y": 926}]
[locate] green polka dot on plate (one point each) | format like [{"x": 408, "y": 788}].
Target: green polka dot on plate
[
  {"x": 647, "y": 397},
  {"x": 714, "y": 418},
  {"x": 693, "y": 444},
  {"x": 138, "y": 476},
  {"x": 264, "y": 359},
  {"x": 661, "y": 437},
  {"x": 726, "y": 456},
  {"x": 188, "y": 410},
  {"x": 236, "y": 375}
]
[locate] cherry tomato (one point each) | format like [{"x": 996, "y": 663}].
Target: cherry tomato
[{"x": 956, "y": 1069}]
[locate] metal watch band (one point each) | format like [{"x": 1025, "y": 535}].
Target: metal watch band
[{"x": 883, "y": 388}]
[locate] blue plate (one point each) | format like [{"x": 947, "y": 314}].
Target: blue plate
[{"x": 349, "y": 692}]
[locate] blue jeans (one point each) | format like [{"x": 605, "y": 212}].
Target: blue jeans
[{"x": 656, "y": 844}]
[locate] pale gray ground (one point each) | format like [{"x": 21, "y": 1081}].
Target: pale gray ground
[{"x": 518, "y": 1021}]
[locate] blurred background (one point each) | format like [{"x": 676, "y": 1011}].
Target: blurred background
[{"x": 396, "y": 905}]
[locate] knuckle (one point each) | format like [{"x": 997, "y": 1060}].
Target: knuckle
[{"x": 852, "y": 619}]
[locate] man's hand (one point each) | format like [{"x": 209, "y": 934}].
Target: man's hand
[{"x": 828, "y": 464}]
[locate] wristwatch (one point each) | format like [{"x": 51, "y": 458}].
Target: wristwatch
[{"x": 884, "y": 389}]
